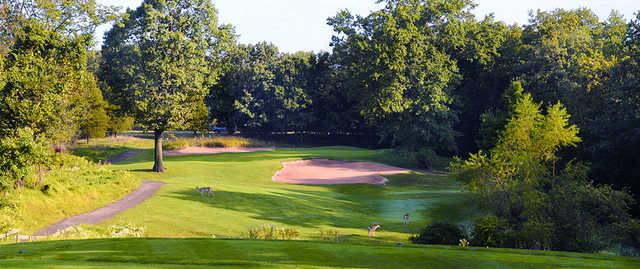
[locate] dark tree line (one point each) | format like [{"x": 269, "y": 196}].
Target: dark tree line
[{"x": 428, "y": 76}]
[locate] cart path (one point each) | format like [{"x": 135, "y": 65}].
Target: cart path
[
  {"x": 142, "y": 193},
  {"x": 121, "y": 157}
]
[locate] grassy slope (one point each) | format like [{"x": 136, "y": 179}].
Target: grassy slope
[
  {"x": 78, "y": 187},
  {"x": 246, "y": 196},
  {"x": 200, "y": 253}
]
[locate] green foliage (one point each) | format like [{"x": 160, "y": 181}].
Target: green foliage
[
  {"x": 119, "y": 124},
  {"x": 47, "y": 84},
  {"x": 439, "y": 233},
  {"x": 161, "y": 66},
  {"x": 526, "y": 147},
  {"x": 96, "y": 120},
  {"x": 489, "y": 231},
  {"x": 21, "y": 153},
  {"x": 408, "y": 102},
  {"x": 263, "y": 90},
  {"x": 533, "y": 205},
  {"x": 155, "y": 64}
]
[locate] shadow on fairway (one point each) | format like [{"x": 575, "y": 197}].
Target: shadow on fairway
[{"x": 357, "y": 208}]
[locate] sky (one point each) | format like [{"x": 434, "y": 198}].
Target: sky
[{"x": 300, "y": 25}]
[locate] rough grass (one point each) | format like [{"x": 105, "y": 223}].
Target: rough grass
[
  {"x": 76, "y": 187},
  {"x": 212, "y": 142},
  {"x": 206, "y": 253},
  {"x": 101, "y": 150}
]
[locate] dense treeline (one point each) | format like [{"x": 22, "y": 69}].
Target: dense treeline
[
  {"x": 547, "y": 107},
  {"x": 428, "y": 76}
]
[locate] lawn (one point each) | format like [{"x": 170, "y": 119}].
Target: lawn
[
  {"x": 245, "y": 197},
  {"x": 201, "y": 253}
]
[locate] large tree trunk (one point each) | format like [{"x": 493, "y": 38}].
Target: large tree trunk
[{"x": 158, "y": 166}]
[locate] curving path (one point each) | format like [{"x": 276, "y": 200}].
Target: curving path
[
  {"x": 142, "y": 193},
  {"x": 121, "y": 157}
]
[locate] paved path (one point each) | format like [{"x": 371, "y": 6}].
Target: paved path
[
  {"x": 121, "y": 157},
  {"x": 146, "y": 190}
]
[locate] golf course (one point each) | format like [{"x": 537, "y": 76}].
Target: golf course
[
  {"x": 319, "y": 134},
  {"x": 185, "y": 229}
]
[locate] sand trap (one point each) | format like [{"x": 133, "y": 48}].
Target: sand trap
[
  {"x": 330, "y": 172},
  {"x": 207, "y": 150}
]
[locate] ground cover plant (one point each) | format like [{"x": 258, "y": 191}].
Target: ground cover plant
[{"x": 213, "y": 142}]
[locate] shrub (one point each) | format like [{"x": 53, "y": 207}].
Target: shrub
[
  {"x": 228, "y": 142},
  {"x": 126, "y": 230},
  {"x": 489, "y": 231},
  {"x": 272, "y": 232},
  {"x": 178, "y": 143},
  {"x": 439, "y": 233}
]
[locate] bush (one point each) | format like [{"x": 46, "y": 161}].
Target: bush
[
  {"x": 489, "y": 231},
  {"x": 212, "y": 142},
  {"x": 439, "y": 233},
  {"x": 126, "y": 230},
  {"x": 228, "y": 142},
  {"x": 272, "y": 232},
  {"x": 176, "y": 144}
]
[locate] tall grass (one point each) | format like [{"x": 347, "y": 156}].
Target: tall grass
[
  {"x": 213, "y": 142},
  {"x": 73, "y": 185},
  {"x": 272, "y": 232}
]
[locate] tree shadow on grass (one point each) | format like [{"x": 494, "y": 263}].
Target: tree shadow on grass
[
  {"x": 314, "y": 209},
  {"x": 310, "y": 209}
]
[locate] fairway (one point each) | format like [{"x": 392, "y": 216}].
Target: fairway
[{"x": 245, "y": 196}]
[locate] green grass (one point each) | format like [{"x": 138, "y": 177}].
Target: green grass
[
  {"x": 204, "y": 253},
  {"x": 103, "y": 149},
  {"x": 246, "y": 197}
]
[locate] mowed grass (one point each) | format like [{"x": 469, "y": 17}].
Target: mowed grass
[
  {"x": 205, "y": 253},
  {"x": 245, "y": 197},
  {"x": 186, "y": 230}
]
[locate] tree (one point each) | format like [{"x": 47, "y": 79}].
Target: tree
[
  {"x": 399, "y": 70},
  {"x": 533, "y": 202},
  {"x": 96, "y": 120},
  {"x": 21, "y": 151},
  {"x": 46, "y": 83},
  {"x": 155, "y": 63},
  {"x": 263, "y": 90},
  {"x": 119, "y": 124}
]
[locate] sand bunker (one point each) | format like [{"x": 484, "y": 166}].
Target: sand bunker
[
  {"x": 206, "y": 150},
  {"x": 330, "y": 172}
]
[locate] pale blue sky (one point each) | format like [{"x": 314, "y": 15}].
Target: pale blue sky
[{"x": 295, "y": 25}]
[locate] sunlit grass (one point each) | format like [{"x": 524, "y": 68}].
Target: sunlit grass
[{"x": 212, "y": 142}]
